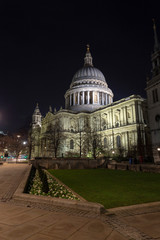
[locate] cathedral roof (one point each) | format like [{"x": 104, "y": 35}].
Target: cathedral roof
[{"x": 88, "y": 71}]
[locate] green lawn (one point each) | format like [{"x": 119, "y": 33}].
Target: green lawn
[{"x": 112, "y": 188}]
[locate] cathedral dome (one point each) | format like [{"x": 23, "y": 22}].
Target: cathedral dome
[
  {"x": 88, "y": 72},
  {"x": 88, "y": 90}
]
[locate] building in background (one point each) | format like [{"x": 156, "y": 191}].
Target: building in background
[
  {"x": 91, "y": 123},
  {"x": 153, "y": 99}
]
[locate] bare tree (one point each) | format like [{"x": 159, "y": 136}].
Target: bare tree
[
  {"x": 54, "y": 137},
  {"x": 3, "y": 145},
  {"x": 96, "y": 144},
  {"x": 93, "y": 143},
  {"x": 15, "y": 144}
]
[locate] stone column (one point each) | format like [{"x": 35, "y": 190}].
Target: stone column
[
  {"x": 83, "y": 97},
  {"x": 109, "y": 99},
  {"x": 103, "y": 94},
  {"x": 121, "y": 116},
  {"x": 78, "y": 95},
  {"x": 106, "y": 98},
  {"x": 73, "y": 98},
  {"x": 139, "y": 114},
  {"x": 70, "y": 98},
  {"x": 124, "y": 115},
  {"x": 98, "y": 97},
  {"x": 111, "y": 118},
  {"x": 93, "y": 97},
  {"x": 88, "y": 97},
  {"x": 133, "y": 113}
]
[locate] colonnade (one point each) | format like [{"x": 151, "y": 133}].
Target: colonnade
[{"x": 88, "y": 97}]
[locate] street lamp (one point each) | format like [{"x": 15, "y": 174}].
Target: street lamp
[{"x": 18, "y": 137}]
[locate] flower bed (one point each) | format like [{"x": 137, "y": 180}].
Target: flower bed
[{"x": 55, "y": 189}]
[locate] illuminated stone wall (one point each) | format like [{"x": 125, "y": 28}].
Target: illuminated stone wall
[{"x": 116, "y": 122}]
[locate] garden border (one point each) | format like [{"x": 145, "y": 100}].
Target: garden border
[
  {"x": 19, "y": 195},
  {"x": 61, "y": 183}
]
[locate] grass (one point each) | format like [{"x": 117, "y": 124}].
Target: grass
[{"x": 112, "y": 188}]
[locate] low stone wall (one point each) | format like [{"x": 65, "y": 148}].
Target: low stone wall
[
  {"x": 135, "y": 167},
  {"x": 67, "y": 163}
]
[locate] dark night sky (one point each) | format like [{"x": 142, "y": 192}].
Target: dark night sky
[{"x": 43, "y": 45}]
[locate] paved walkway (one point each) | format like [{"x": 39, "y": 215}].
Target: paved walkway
[{"x": 20, "y": 221}]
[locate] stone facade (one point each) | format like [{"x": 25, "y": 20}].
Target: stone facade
[
  {"x": 153, "y": 98},
  {"x": 117, "y": 124},
  {"x": 91, "y": 123}
]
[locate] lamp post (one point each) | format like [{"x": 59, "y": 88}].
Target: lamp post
[{"x": 17, "y": 153}]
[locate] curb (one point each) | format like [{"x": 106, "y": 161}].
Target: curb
[{"x": 19, "y": 195}]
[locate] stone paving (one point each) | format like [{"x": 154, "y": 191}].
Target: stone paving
[{"x": 31, "y": 221}]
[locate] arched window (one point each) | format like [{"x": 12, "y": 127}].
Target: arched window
[
  {"x": 71, "y": 144},
  {"x": 118, "y": 140},
  {"x": 105, "y": 142}
]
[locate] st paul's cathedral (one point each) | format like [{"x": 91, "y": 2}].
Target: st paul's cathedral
[{"x": 91, "y": 124}]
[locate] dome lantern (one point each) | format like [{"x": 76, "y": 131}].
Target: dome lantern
[{"x": 88, "y": 58}]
